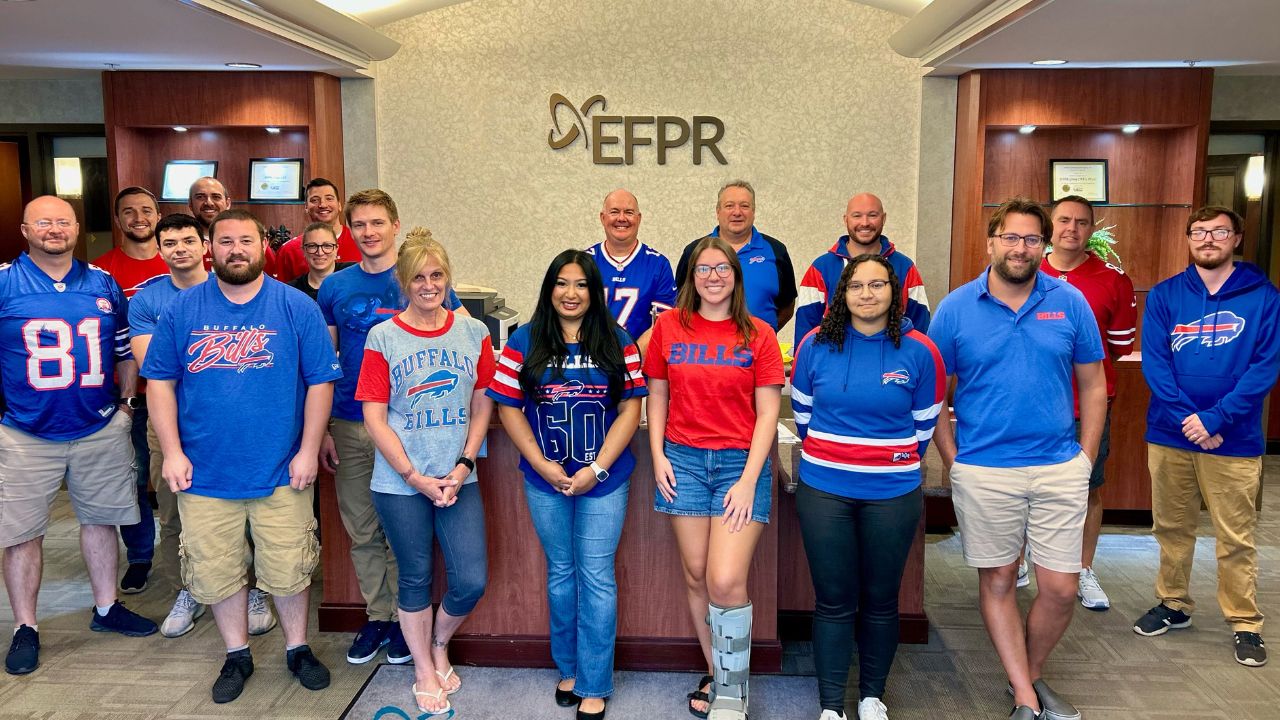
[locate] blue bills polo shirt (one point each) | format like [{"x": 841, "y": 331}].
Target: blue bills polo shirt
[
  {"x": 1014, "y": 370},
  {"x": 769, "y": 280}
]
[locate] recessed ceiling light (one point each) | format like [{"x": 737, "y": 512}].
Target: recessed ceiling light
[
  {"x": 179, "y": 128},
  {"x": 243, "y": 65},
  {"x": 1048, "y": 62},
  {"x": 1027, "y": 129},
  {"x": 1131, "y": 129},
  {"x": 273, "y": 130}
]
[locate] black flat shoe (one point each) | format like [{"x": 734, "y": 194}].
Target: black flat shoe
[
  {"x": 566, "y": 698},
  {"x": 592, "y": 716}
]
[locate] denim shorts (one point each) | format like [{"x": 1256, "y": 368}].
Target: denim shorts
[{"x": 703, "y": 477}]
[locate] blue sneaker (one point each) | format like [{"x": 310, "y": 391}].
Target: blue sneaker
[
  {"x": 1160, "y": 620},
  {"x": 24, "y": 652},
  {"x": 369, "y": 641},
  {"x": 397, "y": 649},
  {"x": 122, "y": 620}
]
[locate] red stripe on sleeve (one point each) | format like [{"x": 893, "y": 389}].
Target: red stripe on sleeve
[{"x": 374, "y": 384}]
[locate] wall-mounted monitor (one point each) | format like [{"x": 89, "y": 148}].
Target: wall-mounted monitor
[
  {"x": 275, "y": 180},
  {"x": 179, "y": 174}
]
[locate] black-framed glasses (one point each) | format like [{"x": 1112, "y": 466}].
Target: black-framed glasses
[
  {"x": 704, "y": 271},
  {"x": 317, "y": 248},
  {"x": 1216, "y": 233},
  {"x": 1012, "y": 239},
  {"x": 875, "y": 285}
]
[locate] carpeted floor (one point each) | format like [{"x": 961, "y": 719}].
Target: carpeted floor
[{"x": 1101, "y": 665}]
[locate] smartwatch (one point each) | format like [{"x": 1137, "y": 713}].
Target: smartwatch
[
  {"x": 468, "y": 462},
  {"x": 134, "y": 403},
  {"x": 601, "y": 473}
]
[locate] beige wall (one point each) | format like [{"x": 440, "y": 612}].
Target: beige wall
[
  {"x": 51, "y": 101},
  {"x": 815, "y": 107}
]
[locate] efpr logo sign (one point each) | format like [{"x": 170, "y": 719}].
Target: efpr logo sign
[{"x": 603, "y": 134}]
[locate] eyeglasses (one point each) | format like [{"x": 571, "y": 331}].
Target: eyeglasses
[
  {"x": 704, "y": 271},
  {"x": 875, "y": 285},
  {"x": 1216, "y": 233},
  {"x": 1012, "y": 239},
  {"x": 46, "y": 224},
  {"x": 317, "y": 248}
]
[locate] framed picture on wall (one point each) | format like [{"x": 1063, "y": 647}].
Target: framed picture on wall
[
  {"x": 1086, "y": 178},
  {"x": 179, "y": 174},
  {"x": 276, "y": 180}
]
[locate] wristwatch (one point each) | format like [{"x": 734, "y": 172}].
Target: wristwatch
[
  {"x": 601, "y": 473},
  {"x": 134, "y": 403},
  {"x": 468, "y": 462}
]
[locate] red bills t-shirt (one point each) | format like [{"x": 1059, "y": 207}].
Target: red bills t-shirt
[
  {"x": 712, "y": 380},
  {"x": 131, "y": 273},
  {"x": 292, "y": 262},
  {"x": 1109, "y": 293}
]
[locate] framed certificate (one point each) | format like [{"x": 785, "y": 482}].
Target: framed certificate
[
  {"x": 277, "y": 180},
  {"x": 180, "y": 174},
  {"x": 1086, "y": 178}
]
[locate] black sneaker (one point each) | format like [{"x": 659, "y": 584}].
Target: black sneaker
[
  {"x": 122, "y": 620},
  {"x": 24, "y": 651},
  {"x": 1250, "y": 650},
  {"x": 369, "y": 641},
  {"x": 135, "y": 578},
  {"x": 1161, "y": 619},
  {"x": 397, "y": 649},
  {"x": 307, "y": 668},
  {"x": 230, "y": 682}
]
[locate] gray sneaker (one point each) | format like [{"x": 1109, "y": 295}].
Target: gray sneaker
[
  {"x": 182, "y": 618},
  {"x": 1022, "y": 712},
  {"x": 1052, "y": 706},
  {"x": 261, "y": 619}
]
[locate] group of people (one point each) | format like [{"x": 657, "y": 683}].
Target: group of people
[{"x": 375, "y": 373}]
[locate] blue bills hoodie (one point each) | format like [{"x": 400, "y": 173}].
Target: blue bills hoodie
[{"x": 1215, "y": 356}]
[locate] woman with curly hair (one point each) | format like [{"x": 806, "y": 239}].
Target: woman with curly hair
[{"x": 866, "y": 390}]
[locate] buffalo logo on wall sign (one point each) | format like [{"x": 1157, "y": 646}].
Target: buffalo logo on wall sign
[{"x": 664, "y": 132}]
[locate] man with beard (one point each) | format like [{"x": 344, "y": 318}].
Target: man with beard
[
  {"x": 638, "y": 283},
  {"x": 1210, "y": 353},
  {"x": 229, "y": 461},
  {"x": 1016, "y": 468},
  {"x": 208, "y": 197},
  {"x": 63, "y": 343},
  {"x": 324, "y": 205},
  {"x": 135, "y": 262},
  {"x": 864, "y": 218}
]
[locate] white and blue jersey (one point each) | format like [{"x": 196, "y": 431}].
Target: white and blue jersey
[
  {"x": 59, "y": 343},
  {"x": 637, "y": 287},
  {"x": 572, "y": 414},
  {"x": 149, "y": 302}
]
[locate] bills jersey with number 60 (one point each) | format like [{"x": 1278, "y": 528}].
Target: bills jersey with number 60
[
  {"x": 636, "y": 286},
  {"x": 59, "y": 343}
]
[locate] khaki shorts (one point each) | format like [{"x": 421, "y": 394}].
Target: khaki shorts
[
  {"x": 998, "y": 507},
  {"x": 213, "y": 546},
  {"x": 99, "y": 470}
]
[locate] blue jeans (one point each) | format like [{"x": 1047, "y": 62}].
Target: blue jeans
[
  {"x": 580, "y": 539},
  {"x": 703, "y": 478},
  {"x": 140, "y": 539},
  {"x": 411, "y": 522}
]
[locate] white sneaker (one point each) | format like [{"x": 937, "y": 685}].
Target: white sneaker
[
  {"x": 1024, "y": 575},
  {"x": 261, "y": 619},
  {"x": 872, "y": 709},
  {"x": 183, "y": 615},
  {"x": 1090, "y": 592},
  {"x": 832, "y": 715}
]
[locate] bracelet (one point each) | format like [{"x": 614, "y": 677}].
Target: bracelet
[{"x": 468, "y": 462}]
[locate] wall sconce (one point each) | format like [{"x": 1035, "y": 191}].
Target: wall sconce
[
  {"x": 1254, "y": 178},
  {"x": 67, "y": 181}
]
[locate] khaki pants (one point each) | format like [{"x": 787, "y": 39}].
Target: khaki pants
[
  {"x": 1229, "y": 486},
  {"x": 375, "y": 566},
  {"x": 170, "y": 521}
]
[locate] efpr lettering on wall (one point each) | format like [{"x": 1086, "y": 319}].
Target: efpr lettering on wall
[{"x": 663, "y": 132}]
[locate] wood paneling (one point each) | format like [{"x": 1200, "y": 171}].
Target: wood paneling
[
  {"x": 1148, "y": 96},
  {"x": 1128, "y": 482},
  {"x": 208, "y": 99}
]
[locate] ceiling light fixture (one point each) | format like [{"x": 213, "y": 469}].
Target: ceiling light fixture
[
  {"x": 1048, "y": 62},
  {"x": 1130, "y": 129},
  {"x": 179, "y": 128},
  {"x": 1027, "y": 129},
  {"x": 243, "y": 65},
  {"x": 273, "y": 130}
]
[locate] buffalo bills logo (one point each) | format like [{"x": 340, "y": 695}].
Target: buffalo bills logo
[
  {"x": 237, "y": 350},
  {"x": 437, "y": 385},
  {"x": 570, "y": 388},
  {"x": 1217, "y": 328},
  {"x": 756, "y": 259},
  {"x": 897, "y": 377}
]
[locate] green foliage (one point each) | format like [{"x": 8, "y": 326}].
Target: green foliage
[{"x": 1100, "y": 243}]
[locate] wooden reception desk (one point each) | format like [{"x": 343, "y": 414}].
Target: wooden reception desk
[{"x": 509, "y": 627}]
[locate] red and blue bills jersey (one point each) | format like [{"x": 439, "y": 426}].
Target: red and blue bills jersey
[
  {"x": 636, "y": 287},
  {"x": 572, "y": 413},
  {"x": 59, "y": 343}
]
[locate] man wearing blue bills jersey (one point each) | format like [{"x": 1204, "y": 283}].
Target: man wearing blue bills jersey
[
  {"x": 64, "y": 338},
  {"x": 638, "y": 283}
]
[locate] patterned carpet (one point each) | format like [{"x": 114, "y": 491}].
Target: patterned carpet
[{"x": 1101, "y": 665}]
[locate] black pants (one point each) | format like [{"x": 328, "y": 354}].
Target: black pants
[{"x": 856, "y": 550}]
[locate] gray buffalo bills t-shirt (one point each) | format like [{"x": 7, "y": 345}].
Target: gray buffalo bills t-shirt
[{"x": 426, "y": 378}]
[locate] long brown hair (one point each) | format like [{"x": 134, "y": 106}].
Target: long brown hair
[
  {"x": 839, "y": 319},
  {"x": 688, "y": 302}
]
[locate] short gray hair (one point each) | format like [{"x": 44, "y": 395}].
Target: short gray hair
[{"x": 738, "y": 184}]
